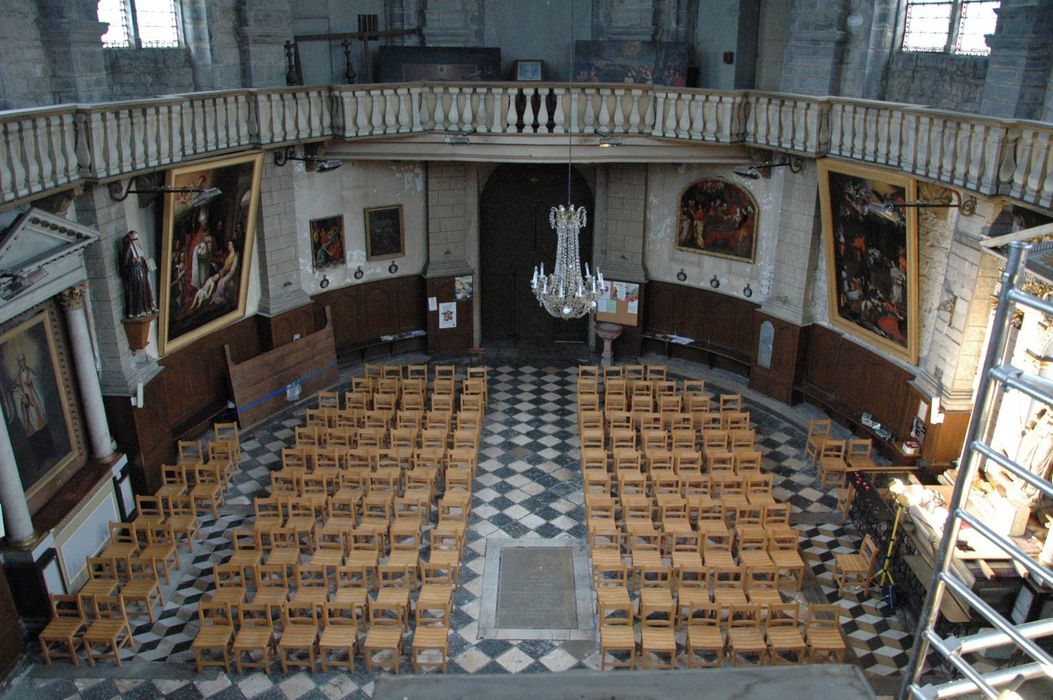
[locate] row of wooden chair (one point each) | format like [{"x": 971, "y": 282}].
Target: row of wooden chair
[
  {"x": 330, "y": 636},
  {"x": 86, "y": 621},
  {"x": 780, "y": 638}
]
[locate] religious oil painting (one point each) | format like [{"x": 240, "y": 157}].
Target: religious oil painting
[
  {"x": 35, "y": 404},
  {"x": 718, "y": 217},
  {"x": 207, "y": 247},
  {"x": 871, "y": 245},
  {"x": 385, "y": 237},
  {"x": 327, "y": 242},
  {"x": 631, "y": 61}
]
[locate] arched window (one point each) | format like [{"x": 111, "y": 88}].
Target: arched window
[
  {"x": 949, "y": 26},
  {"x": 143, "y": 24}
]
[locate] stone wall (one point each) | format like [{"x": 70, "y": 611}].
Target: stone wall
[
  {"x": 937, "y": 80},
  {"x": 25, "y": 79},
  {"x": 137, "y": 73}
]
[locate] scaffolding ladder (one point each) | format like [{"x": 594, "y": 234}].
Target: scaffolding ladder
[{"x": 997, "y": 374}]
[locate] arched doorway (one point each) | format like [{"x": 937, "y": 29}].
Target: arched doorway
[{"x": 514, "y": 235}]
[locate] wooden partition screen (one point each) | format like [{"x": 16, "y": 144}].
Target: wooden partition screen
[{"x": 260, "y": 383}]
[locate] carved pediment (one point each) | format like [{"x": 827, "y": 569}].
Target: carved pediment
[{"x": 35, "y": 241}]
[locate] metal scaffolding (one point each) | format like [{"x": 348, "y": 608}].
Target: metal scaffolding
[{"x": 997, "y": 375}]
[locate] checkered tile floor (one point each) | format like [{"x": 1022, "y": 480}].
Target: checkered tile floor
[{"x": 527, "y": 486}]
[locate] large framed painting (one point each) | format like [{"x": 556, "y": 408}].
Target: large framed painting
[
  {"x": 36, "y": 405},
  {"x": 207, "y": 247},
  {"x": 646, "y": 62},
  {"x": 871, "y": 246},
  {"x": 327, "y": 242},
  {"x": 718, "y": 217},
  {"x": 385, "y": 236},
  {"x": 411, "y": 64}
]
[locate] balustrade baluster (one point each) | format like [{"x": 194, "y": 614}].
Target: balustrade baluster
[
  {"x": 603, "y": 119},
  {"x": 413, "y": 101},
  {"x": 390, "y": 116},
  {"x": 659, "y": 114},
  {"x": 619, "y": 112},
  {"x": 467, "y": 114},
  {"x": 511, "y": 114},
  {"x": 559, "y": 117},
  {"x": 481, "y": 116},
  {"x": 499, "y": 110},
  {"x": 575, "y": 112},
  {"x": 528, "y": 109},
  {"x": 588, "y": 121},
  {"x": 635, "y": 95}
]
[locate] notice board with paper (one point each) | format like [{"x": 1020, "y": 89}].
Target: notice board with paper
[{"x": 619, "y": 303}]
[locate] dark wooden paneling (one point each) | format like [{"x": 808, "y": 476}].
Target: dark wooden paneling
[
  {"x": 259, "y": 382},
  {"x": 281, "y": 329},
  {"x": 719, "y": 324},
  {"x": 777, "y": 380},
  {"x": 11, "y": 642},
  {"x": 362, "y": 313},
  {"x": 847, "y": 380},
  {"x": 444, "y": 339}
]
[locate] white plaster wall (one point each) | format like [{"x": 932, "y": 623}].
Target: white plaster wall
[
  {"x": 663, "y": 261},
  {"x": 349, "y": 191}
]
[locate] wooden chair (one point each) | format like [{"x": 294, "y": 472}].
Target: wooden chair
[
  {"x": 822, "y": 632},
  {"x": 745, "y": 639},
  {"x": 230, "y": 586},
  {"x": 784, "y": 553},
  {"x": 189, "y": 452},
  {"x": 427, "y": 640},
  {"x": 173, "y": 482},
  {"x": 656, "y": 643},
  {"x": 110, "y": 628},
  {"x": 161, "y": 550},
  {"x": 819, "y": 431},
  {"x": 702, "y": 620},
  {"x": 783, "y": 632},
  {"x": 182, "y": 518},
  {"x": 64, "y": 629},
  {"x": 102, "y": 579},
  {"x": 859, "y": 454},
  {"x": 143, "y": 586},
  {"x": 384, "y": 645},
  {"x": 208, "y": 488},
  {"x": 830, "y": 464},
  {"x": 857, "y": 568},
  {"x": 215, "y": 630},
  {"x": 613, "y": 599},
  {"x": 340, "y": 634},
  {"x": 255, "y": 636},
  {"x": 299, "y": 634},
  {"x": 149, "y": 510},
  {"x": 616, "y": 639}
]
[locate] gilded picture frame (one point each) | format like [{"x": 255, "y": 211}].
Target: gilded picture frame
[
  {"x": 385, "y": 233},
  {"x": 206, "y": 248},
  {"x": 870, "y": 242},
  {"x": 327, "y": 242},
  {"x": 717, "y": 217},
  {"x": 36, "y": 405}
]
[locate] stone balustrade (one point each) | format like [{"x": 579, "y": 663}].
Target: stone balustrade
[{"x": 43, "y": 150}]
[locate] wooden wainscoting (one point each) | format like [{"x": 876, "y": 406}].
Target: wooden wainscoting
[
  {"x": 720, "y": 327},
  {"x": 779, "y": 377},
  {"x": 363, "y": 314}
]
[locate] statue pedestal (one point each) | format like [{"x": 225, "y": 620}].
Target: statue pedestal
[
  {"x": 137, "y": 329},
  {"x": 609, "y": 332}
]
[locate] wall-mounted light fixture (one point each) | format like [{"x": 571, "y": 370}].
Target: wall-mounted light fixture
[
  {"x": 141, "y": 185},
  {"x": 953, "y": 200},
  {"x": 682, "y": 276},
  {"x": 393, "y": 268},
  {"x": 314, "y": 163},
  {"x": 459, "y": 138},
  {"x": 607, "y": 140},
  {"x": 753, "y": 170},
  {"x": 359, "y": 273},
  {"x": 325, "y": 282},
  {"x": 714, "y": 282},
  {"x": 748, "y": 291}
]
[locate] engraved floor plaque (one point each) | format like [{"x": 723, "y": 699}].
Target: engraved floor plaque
[{"x": 536, "y": 588}]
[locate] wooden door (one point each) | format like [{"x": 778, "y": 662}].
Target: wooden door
[{"x": 514, "y": 236}]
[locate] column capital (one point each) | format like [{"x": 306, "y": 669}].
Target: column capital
[{"x": 73, "y": 297}]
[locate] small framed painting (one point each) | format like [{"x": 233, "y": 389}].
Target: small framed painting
[
  {"x": 327, "y": 242},
  {"x": 385, "y": 237},
  {"x": 529, "y": 70},
  {"x": 871, "y": 246}
]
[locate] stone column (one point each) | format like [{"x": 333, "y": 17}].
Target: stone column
[
  {"x": 12, "y": 495},
  {"x": 281, "y": 289},
  {"x": 72, "y": 301},
  {"x": 72, "y": 33},
  {"x": 264, "y": 29},
  {"x": 1018, "y": 68}
]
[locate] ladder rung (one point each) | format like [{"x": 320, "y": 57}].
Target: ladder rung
[
  {"x": 1018, "y": 471},
  {"x": 1007, "y": 546},
  {"x": 1038, "y": 388},
  {"x": 963, "y": 686},
  {"x": 1018, "y": 296}
]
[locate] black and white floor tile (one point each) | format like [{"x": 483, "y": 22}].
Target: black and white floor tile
[{"x": 528, "y": 485}]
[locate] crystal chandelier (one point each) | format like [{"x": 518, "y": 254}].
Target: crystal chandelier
[{"x": 566, "y": 293}]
